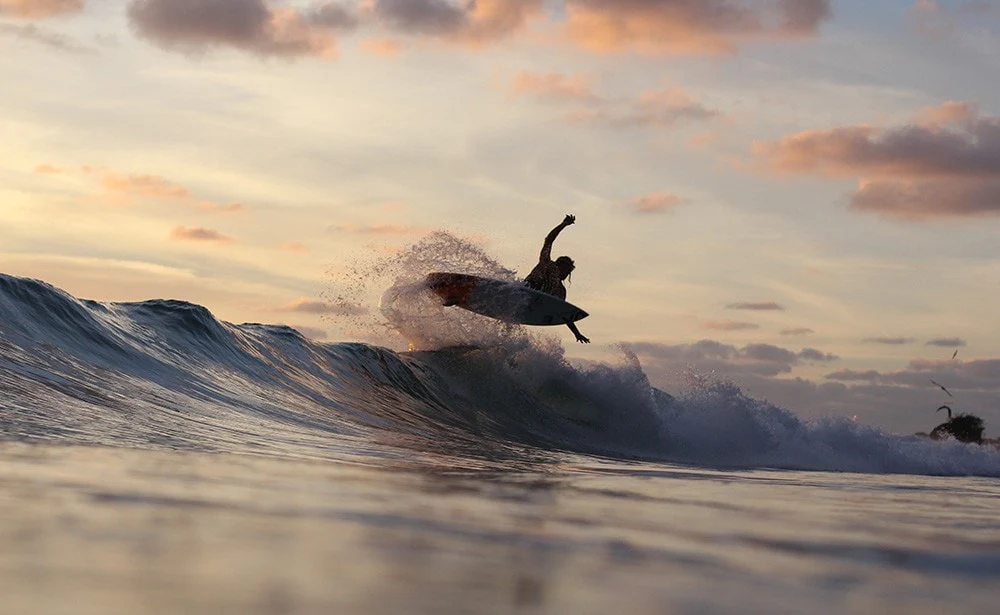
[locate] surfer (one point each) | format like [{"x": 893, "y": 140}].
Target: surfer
[{"x": 548, "y": 275}]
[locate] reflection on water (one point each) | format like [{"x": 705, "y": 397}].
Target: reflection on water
[{"x": 100, "y": 530}]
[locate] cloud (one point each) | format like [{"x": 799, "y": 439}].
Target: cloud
[
  {"x": 184, "y": 233},
  {"x": 311, "y": 332},
  {"x": 762, "y": 306},
  {"x": 663, "y": 108},
  {"x": 376, "y": 229},
  {"x": 258, "y": 26},
  {"x": 38, "y": 9},
  {"x": 889, "y": 341},
  {"x": 655, "y": 203},
  {"x": 848, "y": 375},
  {"x": 709, "y": 355},
  {"x": 690, "y": 26},
  {"x": 797, "y": 331},
  {"x": 728, "y": 325},
  {"x": 294, "y": 246},
  {"x": 54, "y": 40},
  {"x": 552, "y": 87},
  {"x": 140, "y": 185},
  {"x": 945, "y": 163},
  {"x": 385, "y": 47},
  {"x": 314, "y": 306},
  {"x": 653, "y": 109},
  {"x": 475, "y": 23},
  {"x": 947, "y": 342}
]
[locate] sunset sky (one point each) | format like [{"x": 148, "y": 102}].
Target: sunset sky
[{"x": 800, "y": 195}]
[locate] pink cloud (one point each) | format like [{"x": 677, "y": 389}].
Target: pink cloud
[
  {"x": 184, "y": 233},
  {"x": 946, "y": 163},
  {"x": 690, "y": 26},
  {"x": 655, "y": 203}
]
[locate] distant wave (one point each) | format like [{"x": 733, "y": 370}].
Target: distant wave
[{"x": 169, "y": 374}]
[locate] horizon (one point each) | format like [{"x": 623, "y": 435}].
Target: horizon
[{"x": 802, "y": 198}]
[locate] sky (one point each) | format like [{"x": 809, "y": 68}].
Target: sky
[{"x": 801, "y": 196}]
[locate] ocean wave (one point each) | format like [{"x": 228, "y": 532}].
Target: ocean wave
[{"x": 169, "y": 374}]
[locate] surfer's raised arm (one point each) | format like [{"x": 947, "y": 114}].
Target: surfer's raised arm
[{"x": 546, "y": 254}]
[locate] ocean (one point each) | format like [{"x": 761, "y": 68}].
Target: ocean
[{"x": 155, "y": 459}]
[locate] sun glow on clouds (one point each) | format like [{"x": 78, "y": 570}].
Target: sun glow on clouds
[{"x": 946, "y": 163}]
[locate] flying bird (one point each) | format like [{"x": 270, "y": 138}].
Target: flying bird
[
  {"x": 943, "y": 389},
  {"x": 954, "y": 354}
]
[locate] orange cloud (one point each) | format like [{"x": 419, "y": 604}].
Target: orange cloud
[
  {"x": 49, "y": 169},
  {"x": 385, "y": 47},
  {"x": 689, "y": 26},
  {"x": 39, "y": 9},
  {"x": 141, "y": 185},
  {"x": 945, "y": 163},
  {"x": 655, "y": 203},
  {"x": 184, "y": 233},
  {"x": 257, "y": 26}
]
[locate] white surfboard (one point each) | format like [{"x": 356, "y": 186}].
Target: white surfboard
[{"x": 507, "y": 301}]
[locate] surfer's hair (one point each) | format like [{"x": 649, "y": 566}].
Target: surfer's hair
[{"x": 565, "y": 263}]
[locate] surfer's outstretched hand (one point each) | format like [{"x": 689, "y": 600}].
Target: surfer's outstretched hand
[
  {"x": 569, "y": 219},
  {"x": 582, "y": 339}
]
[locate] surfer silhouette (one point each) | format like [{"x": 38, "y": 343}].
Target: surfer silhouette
[{"x": 548, "y": 275}]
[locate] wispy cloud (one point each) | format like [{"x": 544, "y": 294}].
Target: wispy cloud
[
  {"x": 655, "y": 203},
  {"x": 553, "y": 86},
  {"x": 762, "y": 306},
  {"x": 760, "y": 359},
  {"x": 889, "y": 341},
  {"x": 184, "y": 233},
  {"x": 946, "y": 163},
  {"x": 728, "y": 325},
  {"x": 797, "y": 331},
  {"x": 377, "y": 229},
  {"x": 947, "y": 342},
  {"x": 128, "y": 186},
  {"x": 320, "y": 307},
  {"x": 294, "y": 246},
  {"x": 35, "y": 34}
]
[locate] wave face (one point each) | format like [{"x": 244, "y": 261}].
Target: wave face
[{"x": 168, "y": 374}]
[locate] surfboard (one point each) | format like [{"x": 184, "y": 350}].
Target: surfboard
[{"x": 507, "y": 301}]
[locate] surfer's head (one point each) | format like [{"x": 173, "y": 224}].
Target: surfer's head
[{"x": 566, "y": 266}]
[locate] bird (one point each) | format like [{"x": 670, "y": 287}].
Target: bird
[
  {"x": 943, "y": 389},
  {"x": 953, "y": 355}
]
